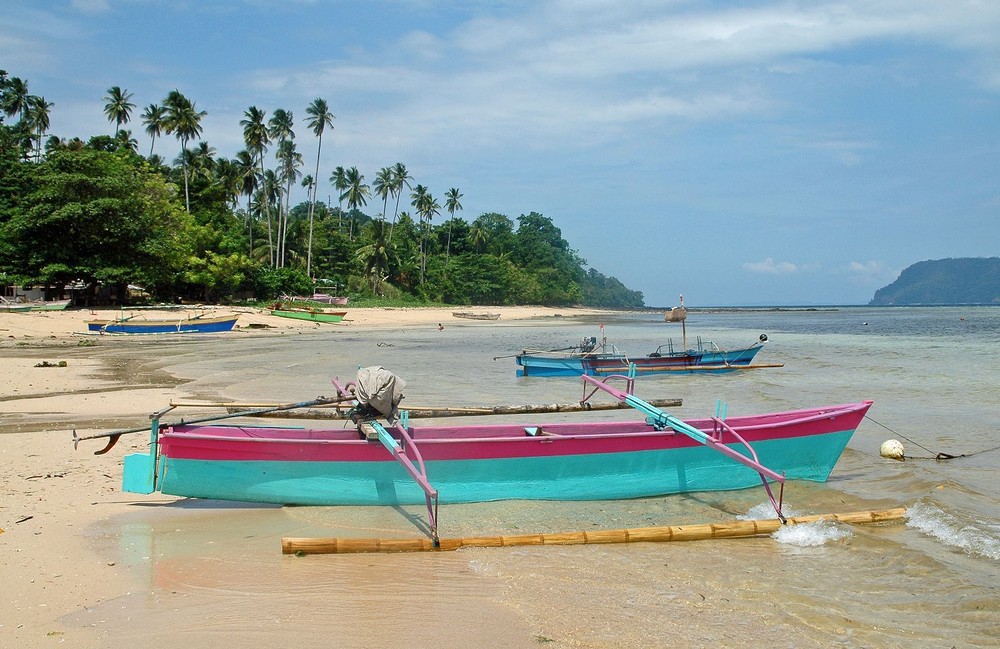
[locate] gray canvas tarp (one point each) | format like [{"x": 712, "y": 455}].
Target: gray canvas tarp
[{"x": 380, "y": 389}]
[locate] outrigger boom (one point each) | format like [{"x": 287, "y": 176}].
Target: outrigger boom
[{"x": 661, "y": 420}]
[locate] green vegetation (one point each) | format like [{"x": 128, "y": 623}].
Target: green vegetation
[
  {"x": 944, "y": 281},
  {"x": 215, "y": 229}
]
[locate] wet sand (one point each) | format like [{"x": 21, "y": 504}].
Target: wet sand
[{"x": 60, "y": 509}]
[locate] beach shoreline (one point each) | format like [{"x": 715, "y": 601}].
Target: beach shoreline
[{"x": 54, "y": 378}]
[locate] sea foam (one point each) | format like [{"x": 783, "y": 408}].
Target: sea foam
[{"x": 978, "y": 538}]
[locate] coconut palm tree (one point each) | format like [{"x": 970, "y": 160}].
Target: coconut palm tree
[
  {"x": 155, "y": 120},
  {"x": 452, "y": 204},
  {"x": 426, "y": 207},
  {"x": 382, "y": 186},
  {"x": 184, "y": 121},
  {"x": 376, "y": 257},
  {"x": 289, "y": 162},
  {"x": 339, "y": 181},
  {"x": 37, "y": 119},
  {"x": 256, "y": 137},
  {"x": 320, "y": 118},
  {"x": 125, "y": 141},
  {"x": 15, "y": 97},
  {"x": 119, "y": 108},
  {"x": 247, "y": 170},
  {"x": 279, "y": 127},
  {"x": 356, "y": 194},
  {"x": 400, "y": 179}
]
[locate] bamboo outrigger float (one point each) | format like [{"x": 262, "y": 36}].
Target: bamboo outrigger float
[{"x": 660, "y": 534}]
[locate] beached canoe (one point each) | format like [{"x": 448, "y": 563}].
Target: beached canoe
[
  {"x": 374, "y": 463},
  {"x": 50, "y": 305},
  {"x": 558, "y": 461},
  {"x": 469, "y": 315},
  {"x": 314, "y": 315},
  {"x": 383, "y": 460},
  {"x": 137, "y": 325}
]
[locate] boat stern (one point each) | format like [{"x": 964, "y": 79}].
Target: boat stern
[{"x": 139, "y": 474}]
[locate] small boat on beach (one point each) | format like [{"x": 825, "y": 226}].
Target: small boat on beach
[
  {"x": 50, "y": 305},
  {"x": 14, "y": 307},
  {"x": 326, "y": 298},
  {"x": 313, "y": 315},
  {"x": 139, "y": 324},
  {"x": 469, "y": 315},
  {"x": 382, "y": 460}
]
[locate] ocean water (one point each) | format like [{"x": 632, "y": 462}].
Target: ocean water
[{"x": 212, "y": 570}]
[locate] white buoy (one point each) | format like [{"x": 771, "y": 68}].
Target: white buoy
[{"x": 892, "y": 449}]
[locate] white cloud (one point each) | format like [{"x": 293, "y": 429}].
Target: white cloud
[{"x": 771, "y": 267}]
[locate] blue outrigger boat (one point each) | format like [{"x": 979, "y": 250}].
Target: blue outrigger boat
[
  {"x": 592, "y": 359},
  {"x": 132, "y": 325}
]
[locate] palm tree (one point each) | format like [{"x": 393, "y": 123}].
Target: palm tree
[
  {"x": 183, "y": 120},
  {"x": 289, "y": 161},
  {"x": 452, "y": 204},
  {"x": 256, "y": 137},
  {"x": 356, "y": 194},
  {"x": 15, "y": 97},
  {"x": 155, "y": 119},
  {"x": 400, "y": 179},
  {"x": 376, "y": 257},
  {"x": 247, "y": 166},
  {"x": 279, "y": 127},
  {"x": 125, "y": 141},
  {"x": 319, "y": 119},
  {"x": 382, "y": 186},
  {"x": 37, "y": 119},
  {"x": 119, "y": 108},
  {"x": 339, "y": 181},
  {"x": 426, "y": 208}
]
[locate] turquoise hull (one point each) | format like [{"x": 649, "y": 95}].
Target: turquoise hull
[{"x": 600, "y": 476}]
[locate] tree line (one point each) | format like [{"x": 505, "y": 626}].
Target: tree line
[{"x": 97, "y": 212}]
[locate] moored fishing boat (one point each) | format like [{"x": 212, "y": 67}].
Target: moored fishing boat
[
  {"x": 594, "y": 359},
  {"x": 385, "y": 461},
  {"x": 138, "y": 324}
]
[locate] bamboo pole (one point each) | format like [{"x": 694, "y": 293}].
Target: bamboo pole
[
  {"x": 339, "y": 411},
  {"x": 734, "y": 529}
]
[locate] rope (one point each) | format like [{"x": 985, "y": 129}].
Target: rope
[{"x": 936, "y": 456}]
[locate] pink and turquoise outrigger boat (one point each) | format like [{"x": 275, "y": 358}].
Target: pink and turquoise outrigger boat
[{"x": 382, "y": 460}]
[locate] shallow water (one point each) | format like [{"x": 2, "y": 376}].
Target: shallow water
[{"x": 214, "y": 570}]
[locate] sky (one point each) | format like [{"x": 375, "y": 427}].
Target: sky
[{"x": 740, "y": 153}]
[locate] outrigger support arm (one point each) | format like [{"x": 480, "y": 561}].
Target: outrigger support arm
[
  {"x": 417, "y": 472},
  {"x": 661, "y": 420}
]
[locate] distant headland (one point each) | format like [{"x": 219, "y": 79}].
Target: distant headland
[{"x": 964, "y": 281}]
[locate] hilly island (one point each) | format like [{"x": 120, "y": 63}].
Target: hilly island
[{"x": 962, "y": 281}]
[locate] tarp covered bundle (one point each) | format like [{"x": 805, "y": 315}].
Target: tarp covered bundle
[{"x": 380, "y": 389}]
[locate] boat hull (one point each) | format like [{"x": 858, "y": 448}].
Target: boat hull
[
  {"x": 716, "y": 362},
  {"x": 566, "y": 461},
  {"x": 314, "y": 316},
  {"x": 51, "y": 305},
  {"x": 167, "y": 326}
]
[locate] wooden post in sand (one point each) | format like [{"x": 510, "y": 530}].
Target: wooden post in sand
[{"x": 735, "y": 529}]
